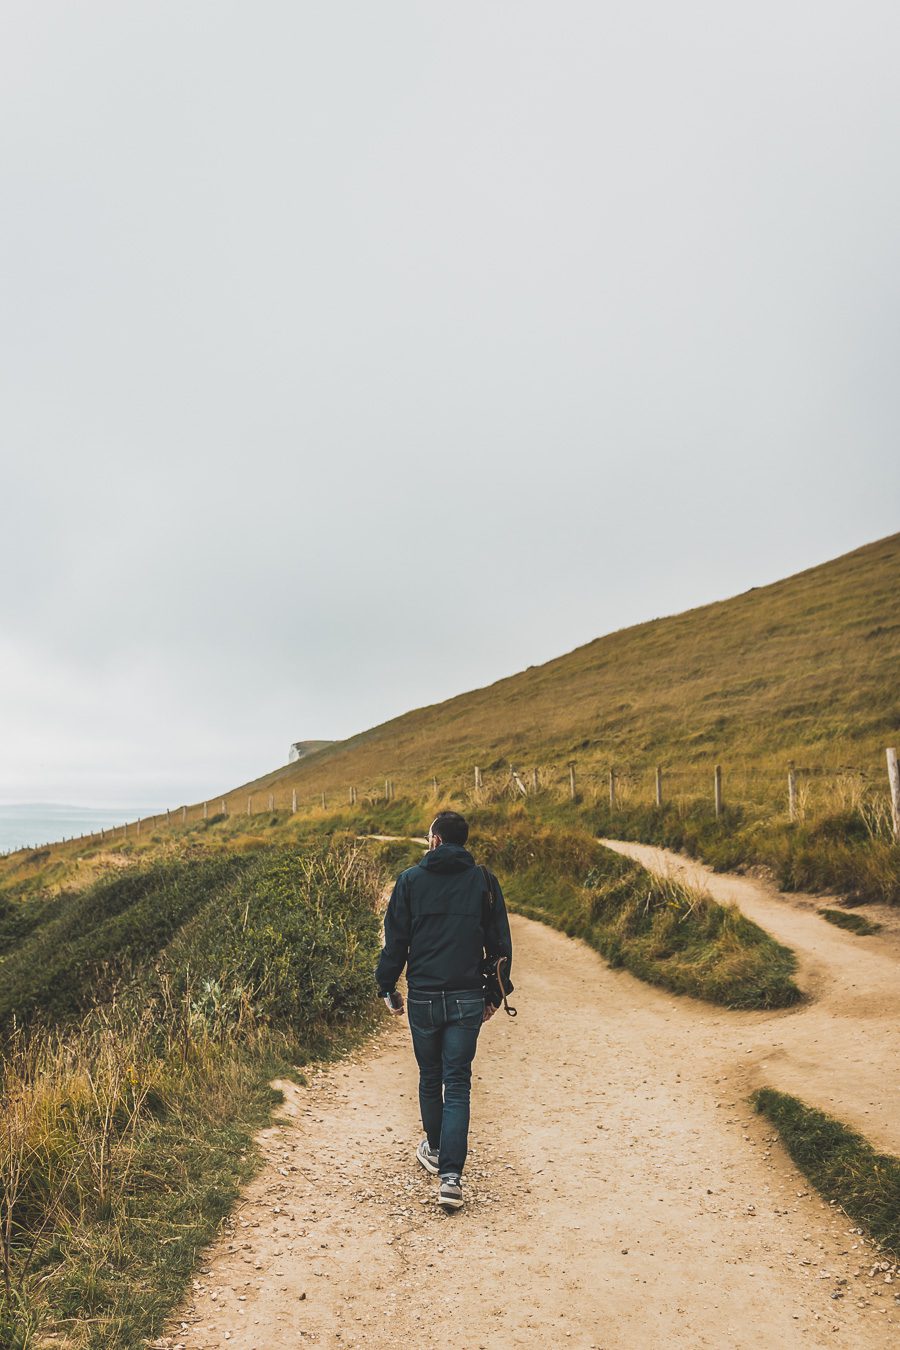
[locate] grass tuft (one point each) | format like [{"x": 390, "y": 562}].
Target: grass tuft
[
  {"x": 842, "y": 1166},
  {"x": 855, "y": 923}
]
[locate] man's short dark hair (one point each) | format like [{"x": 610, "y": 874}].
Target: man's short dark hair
[{"x": 451, "y": 826}]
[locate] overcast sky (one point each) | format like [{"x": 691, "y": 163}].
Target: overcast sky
[{"x": 354, "y": 354}]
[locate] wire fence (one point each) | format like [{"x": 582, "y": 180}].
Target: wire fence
[{"x": 800, "y": 791}]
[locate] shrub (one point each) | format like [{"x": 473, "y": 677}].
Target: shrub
[{"x": 295, "y": 937}]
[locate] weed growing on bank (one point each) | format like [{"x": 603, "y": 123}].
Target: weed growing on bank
[{"x": 842, "y": 1166}]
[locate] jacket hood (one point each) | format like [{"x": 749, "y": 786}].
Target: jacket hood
[{"x": 447, "y": 858}]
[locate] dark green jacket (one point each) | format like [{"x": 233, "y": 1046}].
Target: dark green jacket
[{"x": 438, "y": 926}]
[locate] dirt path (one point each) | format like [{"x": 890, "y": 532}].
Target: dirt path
[
  {"x": 841, "y": 1051},
  {"x": 620, "y": 1194}
]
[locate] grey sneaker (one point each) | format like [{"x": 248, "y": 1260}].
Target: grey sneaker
[
  {"x": 450, "y": 1195},
  {"x": 427, "y": 1157}
]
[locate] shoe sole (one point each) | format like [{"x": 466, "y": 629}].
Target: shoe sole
[
  {"x": 446, "y": 1203},
  {"x": 427, "y": 1165}
]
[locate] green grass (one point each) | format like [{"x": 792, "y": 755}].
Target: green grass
[
  {"x": 855, "y": 923},
  {"x": 78, "y": 947},
  {"x": 127, "y": 1272},
  {"x": 841, "y": 1165},
  {"x": 836, "y": 852},
  {"x": 113, "y": 1282},
  {"x": 125, "y": 1134},
  {"x": 659, "y": 930}
]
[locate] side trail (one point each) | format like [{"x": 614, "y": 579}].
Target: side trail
[
  {"x": 840, "y": 1051},
  {"x": 620, "y": 1191}
]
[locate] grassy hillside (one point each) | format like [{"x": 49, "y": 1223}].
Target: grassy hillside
[{"x": 801, "y": 670}]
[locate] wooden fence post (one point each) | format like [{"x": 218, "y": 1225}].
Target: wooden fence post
[
  {"x": 434, "y": 786},
  {"x": 168, "y": 818},
  {"x": 792, "y": 792},
  {"x": 249, "y": 804},
  {"x": 612, "y": 789},
  {"x": 294, "y": 802},
  {"x": 323, "y": 801},
  {"x": 717, "y": 782},
  {"x": 271, "y": 801},
  {"x": 659, "y": 790},
  {"x": 206, "y": 810},
  {"x": 534, "y": 780},
  {"x": 572, "y": 788},
  {"x": 477, "y": 777},
  {"x": 387, "y": 789},
  {"x": 183, "y": 815},
  {"x": 894, "y": 778},
  {"x": 224, "y": 812}
]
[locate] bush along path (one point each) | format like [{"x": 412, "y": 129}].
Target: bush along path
[{"x": 622, "y": 1191}]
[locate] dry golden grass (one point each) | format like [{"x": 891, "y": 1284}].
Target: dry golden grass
[{"x": 801, "y": 671}]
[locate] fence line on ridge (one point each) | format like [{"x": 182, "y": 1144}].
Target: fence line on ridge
[{"x": 851, "y": 787}]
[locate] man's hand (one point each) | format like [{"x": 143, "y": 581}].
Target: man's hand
[
  {"x": 489, "y": 1011},
  {"x": 394, "y": 1003}
]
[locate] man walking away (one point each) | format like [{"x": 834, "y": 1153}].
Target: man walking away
[{"x": 439, "y": 924}]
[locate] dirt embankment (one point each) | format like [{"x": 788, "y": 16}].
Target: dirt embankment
[{"x": 621, "y": 1193}]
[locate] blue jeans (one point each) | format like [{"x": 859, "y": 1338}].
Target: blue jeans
[{"x": 445, "y": 1029}]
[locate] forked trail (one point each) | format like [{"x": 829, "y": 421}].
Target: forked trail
[
  {"x": 620, "y": 1191},
  {"x": 841, "y": 1051}
]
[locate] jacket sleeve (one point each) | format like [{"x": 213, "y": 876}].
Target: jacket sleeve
[
  {"x": 396, "y": 939},
  {"x": 498, "y": 941}
]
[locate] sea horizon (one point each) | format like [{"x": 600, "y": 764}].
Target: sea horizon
[{"x": 33, "y": 824}]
